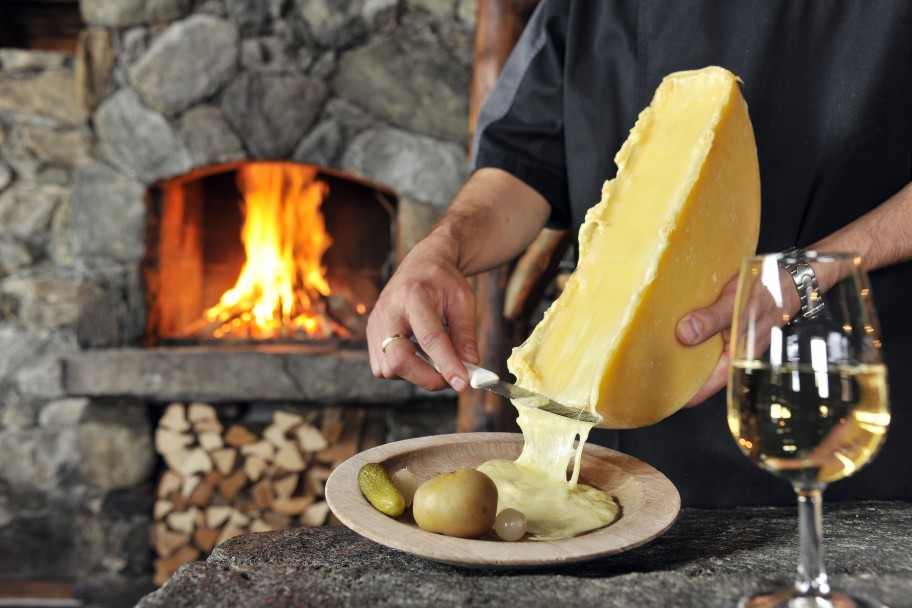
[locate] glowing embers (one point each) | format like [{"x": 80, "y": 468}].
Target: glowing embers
[{"x": 282, "y": 285}]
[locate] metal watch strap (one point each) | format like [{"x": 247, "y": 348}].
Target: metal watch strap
[{"x": 805, "y": 281}]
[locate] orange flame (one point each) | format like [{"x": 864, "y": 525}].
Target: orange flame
[{"x": 278, "y": 290}]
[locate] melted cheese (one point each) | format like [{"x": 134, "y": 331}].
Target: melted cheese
[
  {"x": 667, "y": 235},
  {"x": 536, "y": 483}
]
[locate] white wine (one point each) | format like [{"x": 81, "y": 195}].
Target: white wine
[{"x": 808, "y": 425}]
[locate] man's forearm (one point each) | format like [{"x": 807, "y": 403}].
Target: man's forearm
[
  {"x": 882, "y": 237},
  {"x": 491, "y": 221}
]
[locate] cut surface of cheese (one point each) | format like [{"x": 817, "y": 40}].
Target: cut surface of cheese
[{"x": 668, "y": 234}]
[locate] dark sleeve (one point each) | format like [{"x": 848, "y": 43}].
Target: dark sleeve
[{"x": 521, "y": 127}]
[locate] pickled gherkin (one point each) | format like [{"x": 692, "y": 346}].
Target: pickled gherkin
[{"x": 378, "y": 489}]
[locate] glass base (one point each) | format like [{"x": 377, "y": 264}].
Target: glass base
[{"x": 789, "y": 598}]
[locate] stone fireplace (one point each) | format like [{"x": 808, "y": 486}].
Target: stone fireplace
[{"x": 373, "y": 94}]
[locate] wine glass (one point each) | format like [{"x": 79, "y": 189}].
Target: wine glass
[{"x": 807, "y": 391}]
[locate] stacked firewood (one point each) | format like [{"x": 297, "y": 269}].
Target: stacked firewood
[{"x": 220, "y": 482}]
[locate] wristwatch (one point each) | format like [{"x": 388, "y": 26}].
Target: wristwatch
[{"x": 795, "y": 261}]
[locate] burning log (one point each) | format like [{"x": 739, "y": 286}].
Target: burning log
[{"x": 221, "y": 482}]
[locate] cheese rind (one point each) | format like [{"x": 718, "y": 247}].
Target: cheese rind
[{"x": 667, "y": 235}]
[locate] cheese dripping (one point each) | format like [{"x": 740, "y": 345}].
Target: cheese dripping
[{"x": 536, "y": 483}]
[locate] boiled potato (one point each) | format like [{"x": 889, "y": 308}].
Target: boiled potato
[{"x": 460, "y": 503}]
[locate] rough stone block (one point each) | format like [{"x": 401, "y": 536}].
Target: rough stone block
[
  {"x": 113, "y": 445},
  {"x": 19, "y": 347},
  {"x": 48, "y": 302},
  {"x": 191, "y": 60},
  {"x": 124, "y": 13},
  {"x": 13, "y": 255},
  {"x": 107, "y": 214},
  {"x": 139, "y": 140},
  {"x": 67, "y": 147},
  {"x": 209, "y": 136},
  {"x": 26, "y": 209},
  {"x": 43, "y": 379},
  {"x": 47, "y": 97},
  {"x": 63, "y": 413},
  {"x": 333, "y": 24},
  {"x": 388, "y": 75},
  {"x": 271, "y": 112},
  {"x": 322, "y": 145},
  {"x": 30, "y": 457},
  {"x": 425, "y": 169}
]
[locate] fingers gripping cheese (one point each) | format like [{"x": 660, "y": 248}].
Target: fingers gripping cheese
[{"x": 667, "y": 235}]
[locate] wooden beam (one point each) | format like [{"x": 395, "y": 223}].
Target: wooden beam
[{"x": 499, "y": 24}]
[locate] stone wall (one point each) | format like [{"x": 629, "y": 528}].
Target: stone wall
[{"x": 378, "y": 88}]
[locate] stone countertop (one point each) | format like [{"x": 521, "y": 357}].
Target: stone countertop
[{"x": 708, "y": 558}]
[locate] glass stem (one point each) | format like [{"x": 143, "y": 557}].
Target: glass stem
[{"x": 812, "y": 577}]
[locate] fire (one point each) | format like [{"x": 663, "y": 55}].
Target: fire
[{"x": 282, "y": 286}]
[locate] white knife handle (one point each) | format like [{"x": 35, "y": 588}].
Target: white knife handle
[{"x": 478, "y": 376}]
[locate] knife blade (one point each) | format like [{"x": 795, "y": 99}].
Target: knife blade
[{"x": 485, "y": 379}]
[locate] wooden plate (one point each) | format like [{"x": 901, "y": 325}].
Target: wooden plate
[{"x": 649, "y": 502}]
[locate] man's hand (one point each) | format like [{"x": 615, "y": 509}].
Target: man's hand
[
  {"x": 430, "y": 299},
  {"x": 492, "y": 219},
  {"x": 702, "y": 324}
]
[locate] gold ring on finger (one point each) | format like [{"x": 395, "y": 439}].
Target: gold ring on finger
[{"x": 387, "y": 341}]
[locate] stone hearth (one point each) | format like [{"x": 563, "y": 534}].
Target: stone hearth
[{"x": 375, "y": 88}]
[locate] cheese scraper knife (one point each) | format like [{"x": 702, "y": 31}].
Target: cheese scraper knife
[{"x": 480, "y": 377}]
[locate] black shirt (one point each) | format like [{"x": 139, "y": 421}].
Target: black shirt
[{"x": 829, "y": 91}]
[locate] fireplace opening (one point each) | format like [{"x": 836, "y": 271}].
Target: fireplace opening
[{"x": 262, "y": 251}]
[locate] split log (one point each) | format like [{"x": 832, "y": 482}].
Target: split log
[
  {"x": 169, "y": 482},
  {"x": 292, "y": 505},
  {"x": 232, "y": 484},
  {"x": 224, "y": 460},
  {"x": 217, "y": 515},
  {"x": 254, "y": 466},
  {"x": 168, "y": 541},
  {"x": 199, "y": 412},
  {"x": 275, "y": 435},
  {"x": 167, "y": 441},
  {"x": 374, "y": 428},
  {"x": 262, "y": 448},
  {"x": 349, "y": 439},
  {"x": 238, "y": 436},
  {"x": 285, "y": 486},
  {"x": 289, "y": 459},
  {"x": 204, "y": 538},
  {"x": 286, "y": 420},
  {"x": 263, "y": 494},
  {"x": 316, "y": 479},
  {"x": 175, "y": 418},
  {"x": 161, "y": 508},
  {"x": 202, "y": 495},
  {"x": 310, "y": 439},
  {"x": 315, "y": 514},
  {"x": 259, "y": 525},
  {"x": 167, "y": 566},
  {"x": 182, "y": 521},
  {"x": 210, "y": 440}
]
